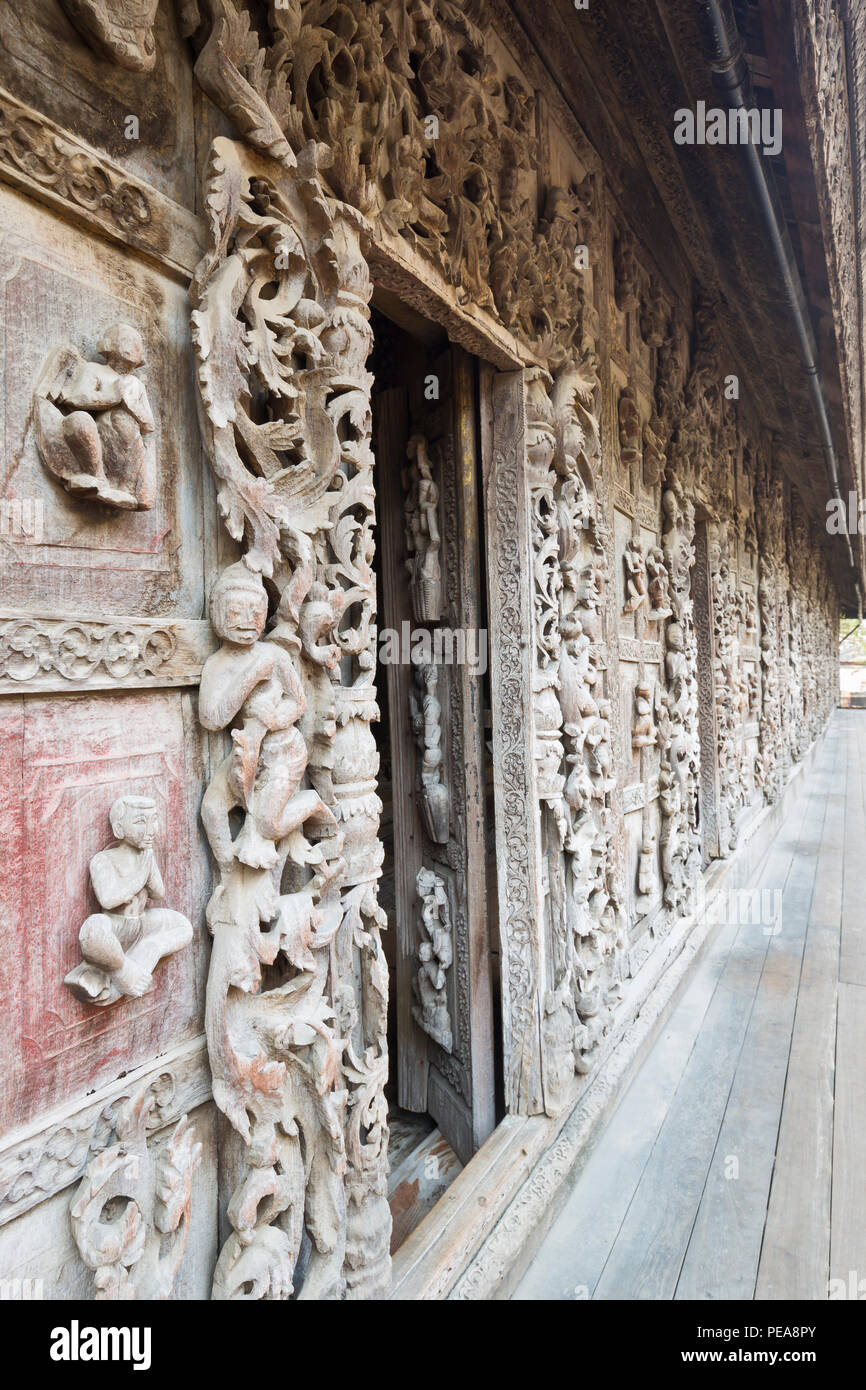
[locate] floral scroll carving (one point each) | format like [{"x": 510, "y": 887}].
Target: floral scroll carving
[
  {"x": 299, "y": 1062},
  {"x": 130, "y": 1215},
  {"x": 364, "y": 79}
]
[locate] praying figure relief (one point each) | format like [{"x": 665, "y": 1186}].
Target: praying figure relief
[
  {"x": 422, "y": 533},
  {"x": 435, "y": 954},
  {"x": 122, "y": 945},
  {"x": 94, "y": 423}
]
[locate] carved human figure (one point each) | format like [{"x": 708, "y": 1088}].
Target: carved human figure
[
  {"x": 253, "y": 684},
  {"x": 435, "y": 954},
  {"x": 636, "y": 577},
  {"x": 422, "y": 534},
  {"x": 659, "y": 584},
  {"x": 599, "y": 751},
  {"x": 93, "y": 422},
  {"x": 122, "y": 945},
  {"x": 426, "y": 714},
  {"x": 646, "y": 871},
  {"x": 644, "y": 733}
]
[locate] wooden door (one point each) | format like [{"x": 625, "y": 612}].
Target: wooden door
[{"x": 430, "y": 559}]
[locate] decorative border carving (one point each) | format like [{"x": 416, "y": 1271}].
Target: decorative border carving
[
  {"x": 56, "y": 167},
  {"x": 42, "y": 1160},
  {"x": 43, "y": 654}
]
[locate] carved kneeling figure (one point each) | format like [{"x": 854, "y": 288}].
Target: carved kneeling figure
[{"x": 122, "y": 945}]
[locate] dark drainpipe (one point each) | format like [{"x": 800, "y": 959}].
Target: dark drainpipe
[{"x": 732, "y": 77}]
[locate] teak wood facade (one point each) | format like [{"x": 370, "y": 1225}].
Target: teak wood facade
[{"x": 325, "y": 322}]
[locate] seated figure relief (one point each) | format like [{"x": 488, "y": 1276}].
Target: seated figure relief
[
  {"x": 93, "y": 422},
  {"x": 122, "y": 945}
]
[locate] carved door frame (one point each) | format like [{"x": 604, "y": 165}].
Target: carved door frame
[
  {"x": 518, "y": 823},
  {"x": 450, "y": 1077}
]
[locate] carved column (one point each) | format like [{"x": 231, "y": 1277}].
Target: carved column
[{"x": 281, "y": 329}]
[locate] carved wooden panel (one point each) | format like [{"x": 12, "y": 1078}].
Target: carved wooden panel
[
  {"x": 60, "y": 288},
  {"x": 63, "y": 765}
]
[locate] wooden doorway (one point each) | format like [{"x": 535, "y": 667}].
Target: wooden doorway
[{"x": 434, "y": 771}]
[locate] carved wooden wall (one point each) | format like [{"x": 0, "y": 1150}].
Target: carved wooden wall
[{"x": 191, "y": 619}]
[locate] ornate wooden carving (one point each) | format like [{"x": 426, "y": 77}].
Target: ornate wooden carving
[
  {"x": 281, "y": 319},
  {"x": 428, "y": 137},
  {"x": 122, "y": 945},
  {"x": 93, "y": 422},
  {"x": 435, "y": 956},
  {"x": 130, "y": 1215}
]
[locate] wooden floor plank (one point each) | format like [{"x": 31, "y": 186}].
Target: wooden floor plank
[
  {"x": 725, "y": 1245},
  {"x": 573, "y": 1262},
  {"x": 852, "y": 964},
  {"x": 848, "y": 1208},
  {"x": 795, "y": 1253},
  {"x": 648, "y": 1253}
]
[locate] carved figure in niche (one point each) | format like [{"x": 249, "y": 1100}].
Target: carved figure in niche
[
  {"x": 589, "y": 596},
  {"x": 600, "y": 752},
  {"x": 646, "y": 866},
  {"x": 422, "y": 534},
  {"x": 435, "y": 954},
  {"x": 659, "y": 585},
  {"x": 119, "y": 30},
  {"x": 636, "y": 577},
  {"x": 629, "y": 428},
  {"x": 426, "y": 715},
  {"x": 122, "y": 945},
  {"x": 93, "y": 422},
  {"x": 654, "y": 316},
  {"x": 130, "y": 1216},
  {"x": 644, "y": 733},
  {"x": 625, "y": 272},
  {"x": 653, "y": 452},
  {"x": 578, "y": 791},
  {"x": 254, "y": 683},
  {"x": 577, "y": 673},
  {"x": 558, "y": 1029}
]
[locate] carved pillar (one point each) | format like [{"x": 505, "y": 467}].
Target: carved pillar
[{"x": 281, "y": 329}]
